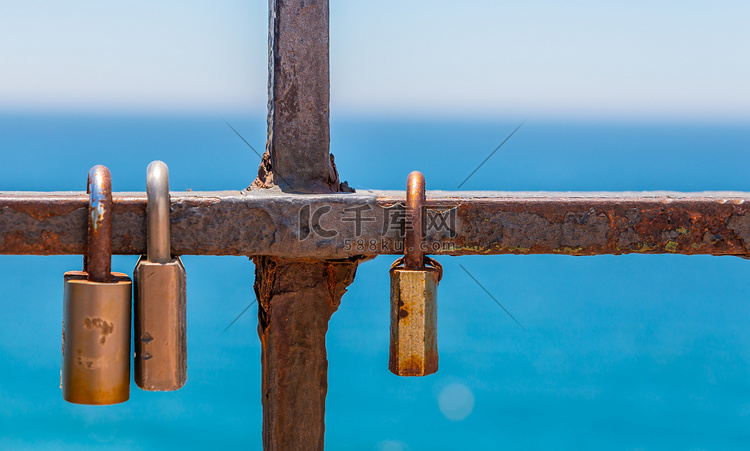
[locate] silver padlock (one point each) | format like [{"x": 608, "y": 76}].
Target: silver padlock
[
  {"x": 414, "y": 283},
  {"x": 160, "y": 296}
]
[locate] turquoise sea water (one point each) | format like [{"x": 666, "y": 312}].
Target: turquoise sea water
[{"x": 619, "y": 352}]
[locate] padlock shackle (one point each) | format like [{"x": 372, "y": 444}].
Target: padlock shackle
[
  {"x": 157, "y": 208},
  {"x": 428, "y": 263},
  {"x": 415, "y": 198},
  {"x": 98, "y": 261}
]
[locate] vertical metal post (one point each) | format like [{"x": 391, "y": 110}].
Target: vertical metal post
[
  {"x": 296, "y": 297},
  {"x": 298, "y": 96}
]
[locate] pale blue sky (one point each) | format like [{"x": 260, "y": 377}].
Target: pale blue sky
[{"x": 674, "y": 59}]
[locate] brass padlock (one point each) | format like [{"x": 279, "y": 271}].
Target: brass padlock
[
  {"x": 414, "y": 283},
  {"x": 160, "y": 296},
  {"x": 96, "y": 312}
]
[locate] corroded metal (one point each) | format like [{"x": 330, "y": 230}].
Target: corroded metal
[
  {"x": 296, "y": 298},
  {"x": 160, "y": 317},
  {"x": 96, "y": 312},
  {"x": 415, "y": 198},
  {"x": 413, "y": 346},
  {"x": 99, "y": 241},
  {"x": 298, "y": 96},
  {"x": 344, "y": 225},
  {"x": 414, "y": 282}
]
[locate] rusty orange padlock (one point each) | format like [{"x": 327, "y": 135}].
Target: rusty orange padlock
[
  {"x": 414, "y": 283},
  {"x": 96, "y": 312}
]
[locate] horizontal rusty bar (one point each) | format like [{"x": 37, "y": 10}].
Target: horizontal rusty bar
[{"x": 342, "y": 225}]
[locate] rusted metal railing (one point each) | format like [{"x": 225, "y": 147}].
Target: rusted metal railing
[{"x": 345, "y": 225}]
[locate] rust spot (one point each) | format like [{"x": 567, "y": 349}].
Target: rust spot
[
  {"x": 105, "y": 327},
  {"x": 288, "y": 104},
  {"x": 50, "y": 207},
  {"x": 332, "y": 282},
  {"x": 50, "y": 240},
  {"x": 741, "y": 226},
  {"x": 402, "y": 313},
  {"x": 88, "y": 364},
  {"x": 127, "y": 240},
  {"x": 411, "y": 366}
]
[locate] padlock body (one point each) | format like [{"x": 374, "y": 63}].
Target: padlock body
[
  {"x": 96, "y": 339},
  {"x": 160, "y": 325},
  {"x": 413, "y": 349}
]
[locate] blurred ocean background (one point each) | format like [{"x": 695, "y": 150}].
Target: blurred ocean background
[{"x": 619, "y": 352}]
